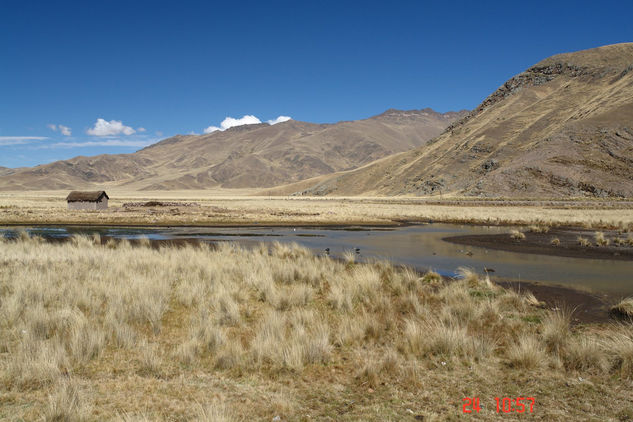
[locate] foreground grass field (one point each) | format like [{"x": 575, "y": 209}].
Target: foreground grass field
[
  {"x": 132, "y": 332},
  {"x": 237, "y": 208}
]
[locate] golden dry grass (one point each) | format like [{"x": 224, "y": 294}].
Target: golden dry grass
[
  {"x": 230, "y": 207},
  {"x": 131, "y": 332}
]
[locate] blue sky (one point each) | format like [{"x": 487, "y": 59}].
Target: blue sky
[{"x": 152, "y": 69}]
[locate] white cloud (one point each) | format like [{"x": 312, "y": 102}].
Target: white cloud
[
  {"x": 279, "y": 119},
  {"x": 141, "y": 129},
  {"x": 248, "y": 119},
  {"x": 211, "y": 129},
  {"x": 19, "y": 140},
  {"x": 64, "y": 130},
  {"x": 230, "y": 122},
  {"x": 113, "y": 127}
]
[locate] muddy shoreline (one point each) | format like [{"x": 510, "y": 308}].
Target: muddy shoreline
[
  {"x": 541, "y": 244},
  {"x": 586, "y": 307}
]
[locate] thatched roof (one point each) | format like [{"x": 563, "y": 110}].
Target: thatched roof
[{"x": 85, "y": 196}]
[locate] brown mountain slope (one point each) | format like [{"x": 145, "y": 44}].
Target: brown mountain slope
[
  {"x": 564, "y": 127},
  {"x": 245, "y": 156},
  {"x": 5, "y": 170}
]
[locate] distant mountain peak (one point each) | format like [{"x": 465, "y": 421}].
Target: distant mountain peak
[
  {"x": 245, "y": 156},
  {"x": 561, "y": 128}
]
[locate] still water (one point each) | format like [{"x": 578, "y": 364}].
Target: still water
[{"x": 420, "y": 246}]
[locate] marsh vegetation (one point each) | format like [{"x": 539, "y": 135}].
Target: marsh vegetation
[{"x": 92, "y": 331}]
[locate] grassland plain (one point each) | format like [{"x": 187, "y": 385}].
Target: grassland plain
[
  {"x": 116, "y": 331},
  {"x": 239, "y": 208}
]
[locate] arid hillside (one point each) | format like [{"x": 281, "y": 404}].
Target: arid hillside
[
  {"x": 564, "y": 127},
  {"x": 246, "y": 156}
]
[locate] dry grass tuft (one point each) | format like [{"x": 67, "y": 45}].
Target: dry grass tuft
[
  {"x": 150, "y": 359},
  {"x": 538, "y": 229},
  {"x": 555, "y": 241},
  {"x": 67, "y": 404},
  {"x": 144, "y": 242},
  {"x": 619, "y": 346},
  {"x": 584, "y": 242},
  {"x": 349, "y": 257},
  {"x": 527, "y": 353},
  {"x": 517, "y": 235},
  {"x": 601, "y": 240},
  {"x": 619, "y": 241},
  {"x": 439, "y": 338},
  {"x": 431, "y": 277},
  {"x": 468, "y": 275},
  {"x": 585, "y": 355},
  {"x": 530, "y": 299},
  {"x": 213, "y": 412},
  {"x": 623, "y": 309},
  {"x": 555, "y": 331}
]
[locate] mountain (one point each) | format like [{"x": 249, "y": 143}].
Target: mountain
[
  {"x": 247, "y": 156},
  {"x": 563, "y": 127}
]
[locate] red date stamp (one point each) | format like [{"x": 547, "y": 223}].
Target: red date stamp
[{"x": 504, "y": 404}]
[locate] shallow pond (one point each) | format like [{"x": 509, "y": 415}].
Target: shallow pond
[{"x": 420, "y": 246}]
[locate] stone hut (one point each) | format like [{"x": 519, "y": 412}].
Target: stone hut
[{"x": 81, "y": 200}]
